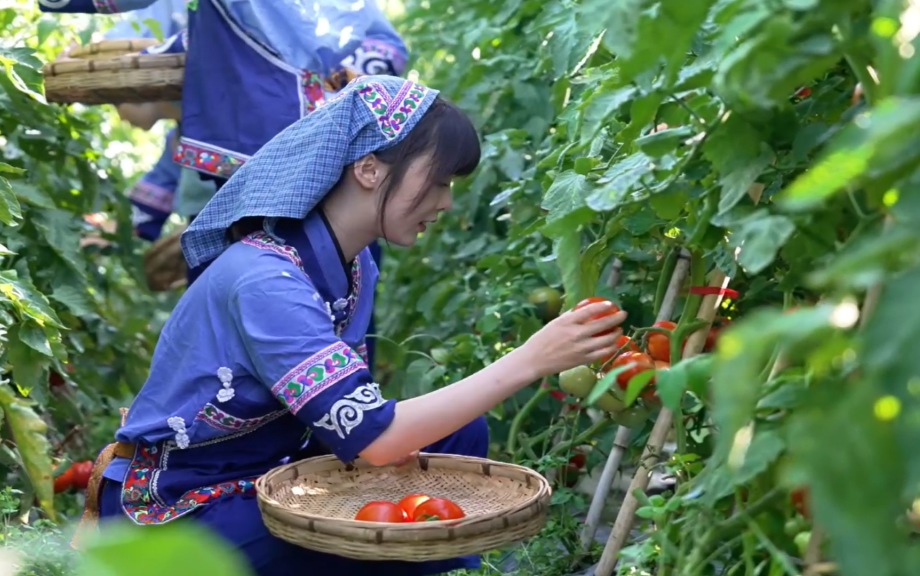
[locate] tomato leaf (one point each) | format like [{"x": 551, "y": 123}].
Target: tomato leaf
[{"x": 29, "y": 432}]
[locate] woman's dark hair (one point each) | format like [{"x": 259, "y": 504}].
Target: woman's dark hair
[
  {"x": 445, "y": 131},
  {"x": 448, "y": 134}
]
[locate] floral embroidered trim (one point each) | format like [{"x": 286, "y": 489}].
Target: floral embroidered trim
[
  {"x": 263, "y": 241},
  {"x": 311, "y": 86},
  {"x": 177, "y": 424},
  {"x": 217, "y": 418},
  {"x": 209, "y": 159},
  {"x": 151, "y": 195},
  {"x": 348, "y": 412},
  {"x": 137, "y": 496},
  {"x": 392, "y": 114},
  {"x": 106, "y": 6},
  {"x": 315, "y": 374}
]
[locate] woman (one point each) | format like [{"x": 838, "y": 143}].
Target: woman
[{"x": 267, "y": 344}]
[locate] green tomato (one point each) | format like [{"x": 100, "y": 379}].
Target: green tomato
[
  {"x": 801, "y": 541},
  {"x": 578, "y": 381},
  {"x": 632, "y": 417},
  {"x": 610, "y": 403},
  {"x": 548, "y": 302}
]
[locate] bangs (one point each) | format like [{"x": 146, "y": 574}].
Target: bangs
[{"x": 455, "y": 150}]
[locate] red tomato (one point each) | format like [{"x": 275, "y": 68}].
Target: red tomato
[
  {"x": 64, "y": 482},
  {"x": 81, "y": 473},
  {"x": 381, "y": 511},
  {"x": 640, "y": 363},
  {"x": 800, "y": 500},
  {"x": 624, "y": 344},
  {"x": 595, "y": 299},
  {"x": 437, "y": 509},
  {"x": 659, "y": 345},
  {"x": 578, "y": 460},
  {"x": 411, "y": 502},
  {"x": 569, "y": 475},
  {"x": 803, "y": 92}
]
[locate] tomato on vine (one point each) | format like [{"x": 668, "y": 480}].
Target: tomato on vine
[
  {"x": 548, "y": 302},
  {"x": 659, "y": 345},
  {"x": 594, "y": 300}
]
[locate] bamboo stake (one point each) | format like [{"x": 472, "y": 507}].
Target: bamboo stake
[
  {"x": 624, "y": 433},
  {"x": 626, "y": 516}
]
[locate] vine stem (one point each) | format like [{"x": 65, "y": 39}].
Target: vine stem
[
  {"x": 663, "y": 424},
  {"x": 624, "y": 433}
]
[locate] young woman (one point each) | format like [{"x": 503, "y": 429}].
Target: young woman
[{"x": 267, "y": 344}]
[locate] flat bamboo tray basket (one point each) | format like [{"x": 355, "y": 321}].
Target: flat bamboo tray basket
[
  {"x": 312, "y": 504},
  {"x": 112, "y": 72}
]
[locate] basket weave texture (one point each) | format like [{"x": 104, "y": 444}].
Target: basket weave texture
[
  {"x": 111, "y": 72},
  {"x": 164, "y": 264},
  {"x": 312, "y": 504}
]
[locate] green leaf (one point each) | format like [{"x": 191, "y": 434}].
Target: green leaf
[
  {"x": 565, "y": 195},
  {"x": 7, "y": 169},
  {"x": 60, "y": 230},
  {"x": 178, "y": 549},
  {"x": 34, "y": 337},
  {"x": 10, "y": 211},
  {"x": 878, "y": 142},
  {"x": 26, "y": 363},
  {"x": 760, "y": 236},
  {"x": 738, "y": 153},
  {"x": 75, "y": 297},
  {"x": 868, "y": 259},
  {"x": 618, "y": 183},
  {"x": 29, "y": 431},
  {"x": 28, "y": 301},
  {"x": 33, "y": 195}
]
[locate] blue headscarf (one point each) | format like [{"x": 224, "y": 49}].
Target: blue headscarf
[{"x": 293, "y": 172}]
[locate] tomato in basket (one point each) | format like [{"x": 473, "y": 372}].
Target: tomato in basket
[
  {"x": 435, "y": 509},
  {"x": 411, "y": 502},
  {"x": 381, "y": 511}
]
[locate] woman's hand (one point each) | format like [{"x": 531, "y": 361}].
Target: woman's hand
[{"x": 572, "y": 339}]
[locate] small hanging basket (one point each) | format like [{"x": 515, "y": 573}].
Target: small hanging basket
[
  {"x": 312, "y": 503},
  {"x": 112, "y": 72}
]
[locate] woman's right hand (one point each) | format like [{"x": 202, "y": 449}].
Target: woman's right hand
[{"x": 572, "y": 339}]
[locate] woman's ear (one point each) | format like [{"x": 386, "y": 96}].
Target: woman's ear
[{"x": 368, "y": 172}]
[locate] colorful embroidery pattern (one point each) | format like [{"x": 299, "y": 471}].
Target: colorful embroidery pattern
[
  {"x": 208, "y": 159},
  {"x": 311, "y": 86},
  {"x": 263, "y": 241},
  {"x": 217, "y": 418},
  {"x": 106, "y": 6},
  {"x": 140, "y": 502},
  {"x": 315, "y": 374},
  {"x": 362, "y": 352},
  {"x": 151, "y": 195},
  {"x": 392, "y": 114}
]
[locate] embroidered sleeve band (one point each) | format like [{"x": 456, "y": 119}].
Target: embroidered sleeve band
[{"x": 315, "y": 374}]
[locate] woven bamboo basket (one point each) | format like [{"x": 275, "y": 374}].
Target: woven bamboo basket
[
  {"x": 312, "y": 504},
  {"x": 164, "y": 264},
  {"x": 107, "y": 73},
  {"x": 111, "y": 48}
]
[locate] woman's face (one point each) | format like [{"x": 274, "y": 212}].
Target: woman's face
[{"x": 414, "y": 204}]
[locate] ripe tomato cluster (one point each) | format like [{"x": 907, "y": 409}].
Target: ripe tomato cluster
[
  {"x": 412, "y": 508},
  {"x": 631, "y": 359},
  {"x": 75, "y": 477}
]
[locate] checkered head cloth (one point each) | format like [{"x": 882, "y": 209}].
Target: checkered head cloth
[{"x": 293, "y": 172}]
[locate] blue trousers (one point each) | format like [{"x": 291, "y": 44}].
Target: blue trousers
[{"x": 238, "y": 521}]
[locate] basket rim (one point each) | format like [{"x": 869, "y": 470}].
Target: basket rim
[
  {"x": 113, "y": 45},
  {"x": 312, "y": 522},
  {"x": 125, "y": 63}
]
